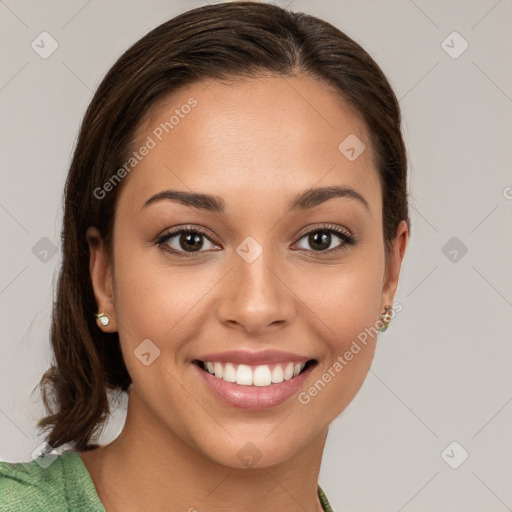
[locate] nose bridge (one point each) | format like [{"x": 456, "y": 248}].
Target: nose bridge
[{"x": 255, "y": 297}]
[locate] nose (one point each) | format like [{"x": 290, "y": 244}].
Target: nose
[{"x": 256, "y": 297}]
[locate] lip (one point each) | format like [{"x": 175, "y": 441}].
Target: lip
[
  {"x": 253, "y": 398},
  {"x": 267, "y": 356}
]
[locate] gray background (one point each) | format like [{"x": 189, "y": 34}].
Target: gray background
[{"x": 442, "y": 371}]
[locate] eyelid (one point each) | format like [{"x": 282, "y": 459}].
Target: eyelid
[
  {"x": 325, "y": 227},
  {"x": 186, "y": 228}
]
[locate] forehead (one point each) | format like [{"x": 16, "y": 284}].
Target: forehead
[{"x": 245, "y": 138}]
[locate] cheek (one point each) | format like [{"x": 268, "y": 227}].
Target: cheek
[
  {"x": 345, "y": 306},
  {"x": 157, "y": 300},
  {"x": 345, "y": 299},
  {"x": 143, "y": 293}
]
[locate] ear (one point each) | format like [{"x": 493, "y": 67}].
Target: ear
[
  {"x": 396, "y": 255},
  {"x": 101, "y": 278}
]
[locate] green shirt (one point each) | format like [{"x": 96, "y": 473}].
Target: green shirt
[{"x": 57, "y": 483}]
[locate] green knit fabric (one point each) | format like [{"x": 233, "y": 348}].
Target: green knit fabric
[
  {"x": 323, "y": 500},
  {"x": 62, "y": 486},
  {"x": 57, "y": 483}
]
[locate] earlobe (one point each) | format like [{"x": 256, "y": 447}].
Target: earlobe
[
  {"x": 394, "y": 264},
  {"x": 101, "y": 279}
]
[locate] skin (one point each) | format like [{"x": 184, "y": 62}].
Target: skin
[{"x": 256, "y": 143}]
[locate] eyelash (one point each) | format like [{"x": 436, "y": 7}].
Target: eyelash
[{"x": 348, "y": 240}]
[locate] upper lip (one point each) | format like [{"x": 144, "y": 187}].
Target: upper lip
[{"x": 255, "y": 358}]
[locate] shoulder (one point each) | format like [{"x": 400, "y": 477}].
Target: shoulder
[
  {"x": 40, "y": 485},
  {"x": 34, "y": 485}
]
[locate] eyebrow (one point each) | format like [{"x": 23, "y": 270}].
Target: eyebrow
[{"x": 303, "y": 201}]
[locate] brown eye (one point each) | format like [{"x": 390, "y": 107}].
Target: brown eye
[
  {"x": 319, "y": 241},
  {"x": 185, "y": 241},
  {"x": 324, "y": 239},
  {"x": 190, "y": 241}
]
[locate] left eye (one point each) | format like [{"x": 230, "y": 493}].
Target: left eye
[{"x": 320, "y": 240}]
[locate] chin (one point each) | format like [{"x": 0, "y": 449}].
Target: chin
[{"x": 259, "y": 449}]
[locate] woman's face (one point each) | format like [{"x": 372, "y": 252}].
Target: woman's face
[{"x": 264, "y": 273}]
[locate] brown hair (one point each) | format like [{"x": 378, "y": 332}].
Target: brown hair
[{"x": 219, "y": 41}]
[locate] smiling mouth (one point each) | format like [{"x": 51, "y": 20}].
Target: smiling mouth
[{"x": 254, "y": 375}]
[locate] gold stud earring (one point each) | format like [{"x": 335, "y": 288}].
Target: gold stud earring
[
  {"x": 385, "y": 318},
  {"x": 103, "y": 318}
]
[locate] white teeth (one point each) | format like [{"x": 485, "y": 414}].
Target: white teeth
[
  {"x": 288, "y": 371},
  {"x": 243, "y": 375},
  {"x": 229, "y": 373},
  {"x": 218, "y": 370},
  {"x": 277, "y": 375},
  {"x": 260, "y": 375}
]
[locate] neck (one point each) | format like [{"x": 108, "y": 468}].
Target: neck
[{"x": 149, "y": 467}]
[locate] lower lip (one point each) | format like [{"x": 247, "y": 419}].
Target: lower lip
[{"x": 254, "y": 398}]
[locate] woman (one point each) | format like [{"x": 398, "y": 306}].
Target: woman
[{"x": 235, "y": 221}]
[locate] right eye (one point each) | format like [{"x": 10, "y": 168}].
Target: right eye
[{"x": 184, "y": 241}]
